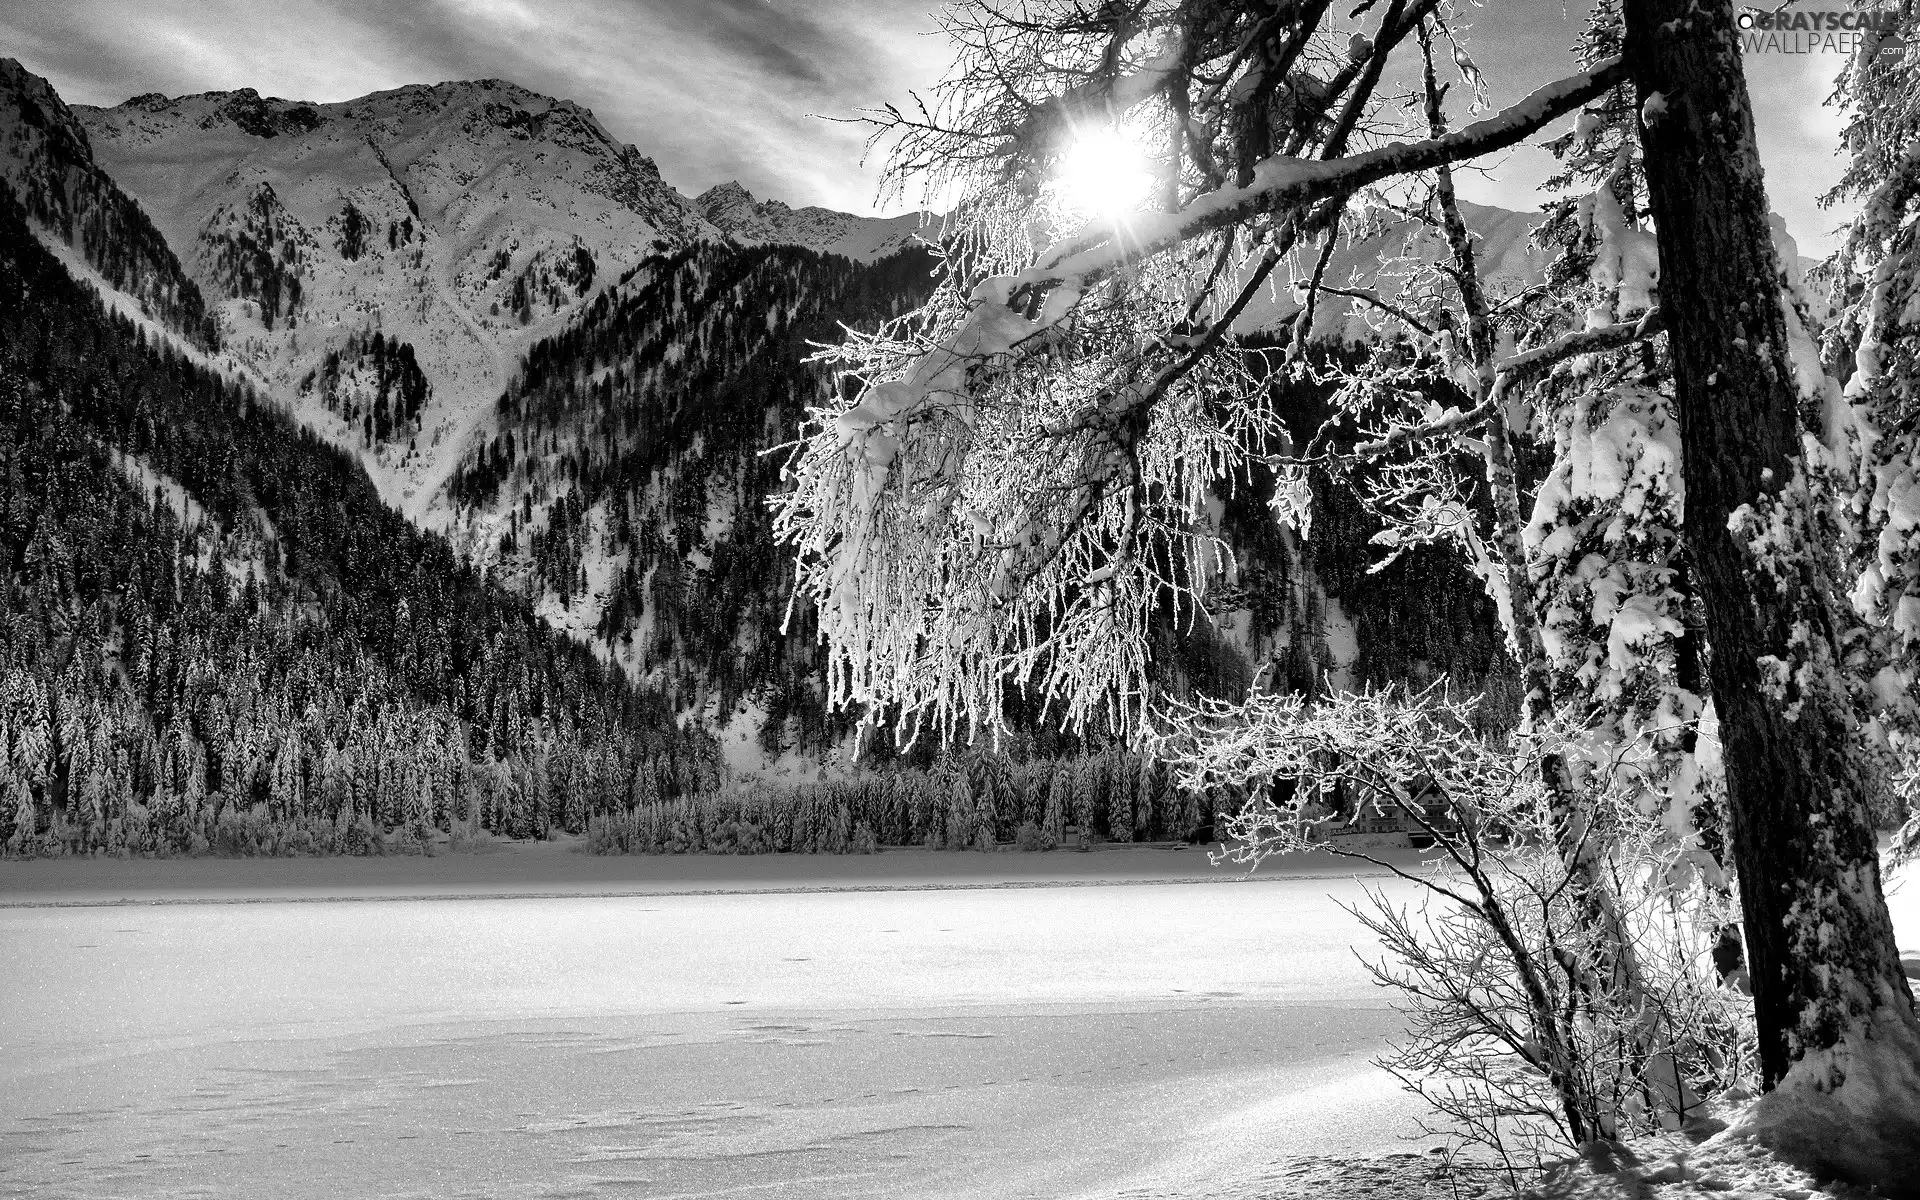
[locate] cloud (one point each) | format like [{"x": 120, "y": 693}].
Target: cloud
[{"x": 735, "y": 89}]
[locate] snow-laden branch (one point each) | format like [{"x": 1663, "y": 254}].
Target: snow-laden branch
[
  {"x": 1454, "y": 420},
  {"x": 1280, "y": 182},
  {"x": 1513, "y": 371},
  {"x": 1529, "y": 364},
  {"x": 1024, "y": 481},
  {"x": 1396, "y": 311}
]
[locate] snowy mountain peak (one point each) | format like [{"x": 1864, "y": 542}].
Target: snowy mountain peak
[
  {"x": 435, "y": 139},
  {"x": 725, "y": 199},
  {"x": 460, "y": 221},
  {"x": 732, "y": 209}
]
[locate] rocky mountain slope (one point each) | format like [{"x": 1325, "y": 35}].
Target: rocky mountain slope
[{"x": 462, "y": 221}]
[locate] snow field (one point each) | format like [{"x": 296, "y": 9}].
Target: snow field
[{"x": 989, "y": 1042}]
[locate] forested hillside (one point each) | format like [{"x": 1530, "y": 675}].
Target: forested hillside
[
  {"x": 1411, "y": 618},
  {"x": 45, "y": 155},
  {"x": 625, "y": 484},
  {"x": 213, "y": 632}
]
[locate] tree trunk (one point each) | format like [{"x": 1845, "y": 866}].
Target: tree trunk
[{"x": 1838, "y": 1036}]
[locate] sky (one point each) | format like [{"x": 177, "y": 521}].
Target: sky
[{"x": 718, "y": 90}]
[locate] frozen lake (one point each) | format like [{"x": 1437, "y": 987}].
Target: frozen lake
[
  {"x": 573, "y": 1027},
  {"x": 988, "y": 1042}
]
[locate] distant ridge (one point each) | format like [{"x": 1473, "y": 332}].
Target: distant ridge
[{"x": 732, "y": 209}]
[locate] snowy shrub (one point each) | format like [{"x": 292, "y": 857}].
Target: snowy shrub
[
  {"x": 358, "y": 836},
  {"x": 614, "y": 833},
  {"x": 479, "y": 841},
  {"x": 136, "y": 834},
  {"x": 1031, "y": 837},
  {"x": 1542, "y": 1015},
  {"x": 407, "y": 840}
]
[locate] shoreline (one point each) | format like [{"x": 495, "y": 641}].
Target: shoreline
[{"x": 560, "y": 869}]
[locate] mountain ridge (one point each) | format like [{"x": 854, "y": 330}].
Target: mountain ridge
[
  {"x": 464, "y": 220},
  {"x": 734, "y": 210}
]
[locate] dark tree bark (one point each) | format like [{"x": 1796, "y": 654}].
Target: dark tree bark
[{"x": 1838, "y": 1036}]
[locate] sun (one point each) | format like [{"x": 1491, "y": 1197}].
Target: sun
[{"x": 1103, "y": 174}]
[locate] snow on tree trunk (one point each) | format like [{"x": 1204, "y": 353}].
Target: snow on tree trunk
[{"x": 1838, "y": 1037}]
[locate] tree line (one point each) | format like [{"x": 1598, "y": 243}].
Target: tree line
[{"x": 966, "y": 802}]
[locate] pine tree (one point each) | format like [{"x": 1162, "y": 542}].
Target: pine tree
[
  {"x": 1086, "y": 786},
  {"x": 29, "y": 722},
  {"x": 962, "y": 822},
  {"x": 1146, "y": 801},
  {"x": 1059, "y": 800},
  {"x": 645, "y": 790},
  {"x": 986, "y": 806},
  {"x": 18, "y": 800},
  {"x": 417, "y": 789},
  {"x": 1120, "y": 791},
  {"x": 287, "y": 786},
  {"x": 95, "y": 792}
]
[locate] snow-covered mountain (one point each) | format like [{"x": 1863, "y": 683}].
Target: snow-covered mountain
[
  {"x": 462, "y": 221},
  {"x": 228, "y": 625},
  {"x": 459, "y": 221},
  {"x": 733, "y": 209}
]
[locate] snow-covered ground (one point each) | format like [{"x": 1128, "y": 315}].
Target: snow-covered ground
[
  {"x": 986, "y": 1041},
  {"x": 1127, "y": 1023}
]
